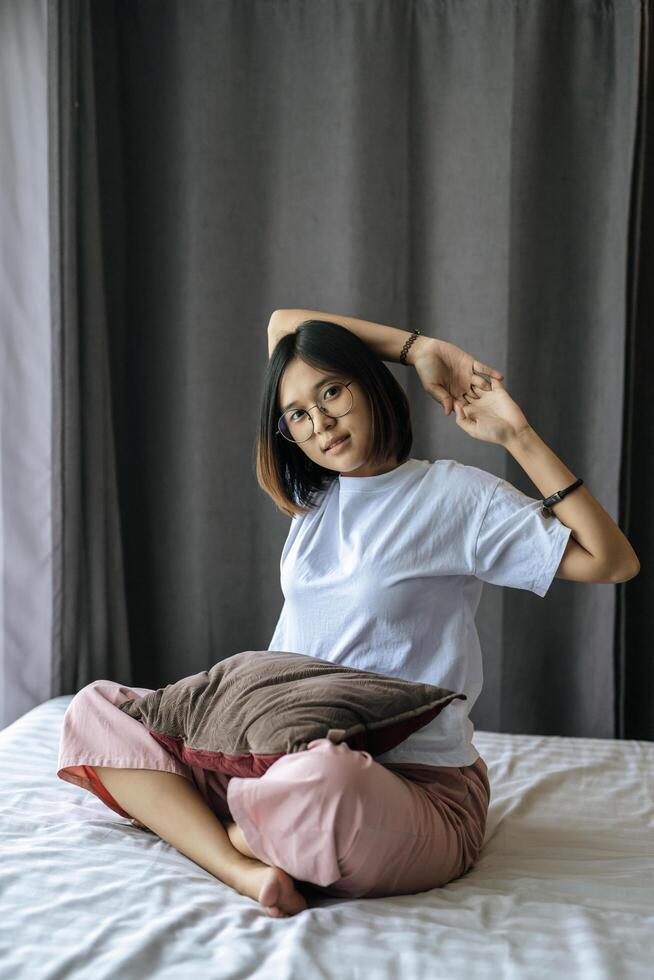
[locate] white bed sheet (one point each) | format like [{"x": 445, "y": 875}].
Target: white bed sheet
[{"x": 564, "y": 885}]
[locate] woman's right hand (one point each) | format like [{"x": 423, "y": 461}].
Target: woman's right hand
[{"x": 447, "y": 372}]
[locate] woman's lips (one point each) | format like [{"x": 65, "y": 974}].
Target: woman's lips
[{"x": 339, "y": 445}]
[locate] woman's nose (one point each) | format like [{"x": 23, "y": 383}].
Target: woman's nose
[{"x": 320, "y": 420}]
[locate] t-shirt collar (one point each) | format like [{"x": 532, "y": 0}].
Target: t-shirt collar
[{"x": 356, "y": 484}]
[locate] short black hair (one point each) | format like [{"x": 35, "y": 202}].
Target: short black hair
[{"x": 283, "y": 470}]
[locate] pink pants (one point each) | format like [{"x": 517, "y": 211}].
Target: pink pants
[{"x": 331, "y": 817}]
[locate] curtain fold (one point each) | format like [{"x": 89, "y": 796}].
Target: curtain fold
[
  {"x": 89, "y": 636},
  {"x": 476, "y": 170}
]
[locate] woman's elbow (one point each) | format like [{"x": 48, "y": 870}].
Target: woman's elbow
[{"x": 625, "y": 574}]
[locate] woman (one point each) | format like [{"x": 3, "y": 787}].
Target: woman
[{"x": 380, "y": 570}]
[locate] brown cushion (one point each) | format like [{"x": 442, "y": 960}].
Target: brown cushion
[{"x": 256, "y": 706}]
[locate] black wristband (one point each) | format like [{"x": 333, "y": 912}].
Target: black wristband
[{"x": 555, "y": 498}]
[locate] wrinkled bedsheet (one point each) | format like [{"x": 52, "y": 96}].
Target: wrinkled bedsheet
[{"x": 564, "y": 885}]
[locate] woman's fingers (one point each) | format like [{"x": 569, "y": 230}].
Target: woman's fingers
[{"x": 482, "y": 376}]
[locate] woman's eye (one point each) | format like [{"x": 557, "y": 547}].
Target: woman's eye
[{"x": 326, "y": 391}]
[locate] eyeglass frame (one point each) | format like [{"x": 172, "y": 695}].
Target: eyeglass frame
[{"x": 309, "y": 410}]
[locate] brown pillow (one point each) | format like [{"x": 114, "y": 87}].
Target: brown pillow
[{"x": 256, "y": 706}]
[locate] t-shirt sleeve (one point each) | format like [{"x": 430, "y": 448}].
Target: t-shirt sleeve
[{"x": 517, "y": 546}]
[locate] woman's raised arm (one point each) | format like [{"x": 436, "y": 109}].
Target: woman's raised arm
[
  {"x": 445, "y": 370},
  {"x": 386, "y": 342}
]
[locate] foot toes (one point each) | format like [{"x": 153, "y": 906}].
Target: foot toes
[{"x": 276, "y": 912}]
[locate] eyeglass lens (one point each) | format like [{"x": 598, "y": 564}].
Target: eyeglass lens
[{"x": 297, "y": 425}]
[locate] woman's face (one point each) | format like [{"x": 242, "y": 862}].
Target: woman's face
[{"x": 299, "y": 388}]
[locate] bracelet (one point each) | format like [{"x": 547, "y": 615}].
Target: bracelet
[
  {"x": 407, "y": 345},
  {"x": 558, "y": 496}
]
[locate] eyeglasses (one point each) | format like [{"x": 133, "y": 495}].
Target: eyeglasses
[{"x": 335, "y": 400}]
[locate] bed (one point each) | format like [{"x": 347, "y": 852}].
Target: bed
[{"x": 564, "y": 885}]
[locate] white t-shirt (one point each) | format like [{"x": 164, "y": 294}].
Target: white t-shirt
[{"x": 386, "y": 575}]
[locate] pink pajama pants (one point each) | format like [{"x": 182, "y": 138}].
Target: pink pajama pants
[{"x": 331, "y": 817}]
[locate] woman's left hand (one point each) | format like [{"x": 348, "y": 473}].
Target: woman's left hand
[{"x": 492, "y": 416}]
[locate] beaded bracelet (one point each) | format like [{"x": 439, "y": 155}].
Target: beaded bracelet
[{"x": 407, "y": 345}]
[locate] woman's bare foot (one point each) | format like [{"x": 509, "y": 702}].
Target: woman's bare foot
[{"x": 276, "y": 891}]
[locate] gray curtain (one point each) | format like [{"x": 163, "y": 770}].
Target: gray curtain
[
  {"x": 25, "y": 337},
  {"x": 474, "y": 169}
]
